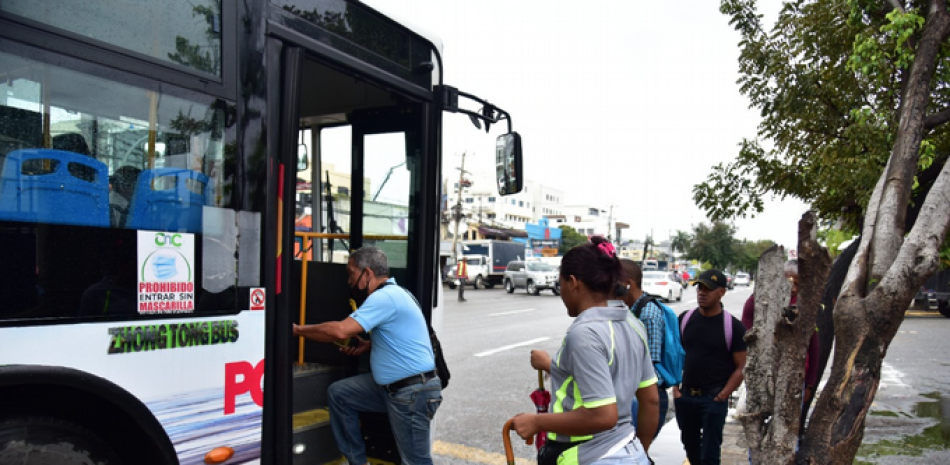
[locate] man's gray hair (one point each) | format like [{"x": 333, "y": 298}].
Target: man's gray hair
[{"x": 372, "y": 258}]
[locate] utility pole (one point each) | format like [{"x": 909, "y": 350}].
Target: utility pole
[
  {"x": 610, "y": 225},
  {"x": 457, "y": 209}
]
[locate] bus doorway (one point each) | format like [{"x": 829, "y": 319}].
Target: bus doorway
[{"x": 359, "y": 152}]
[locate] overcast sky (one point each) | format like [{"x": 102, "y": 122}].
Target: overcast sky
[{"x": 623, "y": 103}]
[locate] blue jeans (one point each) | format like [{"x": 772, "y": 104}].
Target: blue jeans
[
  {"x": 664, "y": 406},
  {"x": 410, "y": 410},
  {"x": 701, "y": 420}
]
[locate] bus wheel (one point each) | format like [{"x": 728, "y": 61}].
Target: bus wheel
[{"x": 34, "y": 440}]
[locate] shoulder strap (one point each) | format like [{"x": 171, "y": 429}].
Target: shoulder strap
[
  {"x": 640, "y": 303},
  {"x": 727, "y": 327},
  {"x": 387, "y": 283},
  {"x": 686, "y": 320}
]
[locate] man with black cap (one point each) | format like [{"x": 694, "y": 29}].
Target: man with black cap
[{"x": 715, "y": 356}]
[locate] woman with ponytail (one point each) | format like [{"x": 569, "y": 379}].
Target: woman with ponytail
[{"x": 602, "y": 362}]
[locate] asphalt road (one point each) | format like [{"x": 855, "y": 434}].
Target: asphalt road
[{"x": 487, "y": 343}]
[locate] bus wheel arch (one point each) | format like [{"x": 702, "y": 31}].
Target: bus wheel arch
[
  {"x": 41, "y": 439},
  {"x": 76, "y": 401}
]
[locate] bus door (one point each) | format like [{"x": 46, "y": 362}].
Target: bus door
[{"x": 357, "y": 146}]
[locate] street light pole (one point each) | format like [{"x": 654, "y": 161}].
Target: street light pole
[{"x": 457, "y": 209}]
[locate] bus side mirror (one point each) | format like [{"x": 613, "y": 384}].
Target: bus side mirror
[
  {"x": 303, "y": 160},
  {"x": 508, "y": 163}
]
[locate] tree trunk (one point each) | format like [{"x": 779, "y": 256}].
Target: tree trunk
[
  {"x": 774, "y": 372},
  {"x": 887, "y": 270}
]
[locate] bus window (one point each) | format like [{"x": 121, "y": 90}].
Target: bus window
[
  {"x": 186, "y": 32},
  {"x": 386, "y": 203},
  {"x": 85, "y": 164},
  {"x": 323, "y": 195}
]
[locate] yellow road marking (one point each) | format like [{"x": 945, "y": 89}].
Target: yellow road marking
[{"x": 473, "y": 454}]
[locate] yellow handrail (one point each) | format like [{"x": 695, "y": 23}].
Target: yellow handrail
[
  {"x": 303, "y": 297},
  {"x": 375, "y": 237},
  {"x": 307, "y": 237}
]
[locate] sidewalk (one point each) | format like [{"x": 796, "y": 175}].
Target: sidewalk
[{"x": 668, "y": 450}]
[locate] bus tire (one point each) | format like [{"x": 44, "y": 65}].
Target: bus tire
[{"x": 39, "y": 440}]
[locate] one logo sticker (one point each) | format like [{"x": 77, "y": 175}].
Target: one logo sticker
[
  {"x": 166, "y": 272},
  {"x": 258, "y": 297}
]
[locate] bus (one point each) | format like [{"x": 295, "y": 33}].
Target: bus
[{"x": 180, "y": 182}]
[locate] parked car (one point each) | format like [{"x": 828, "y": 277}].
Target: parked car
[
  {"x": 730, "y": 282},
  {"x": 935, "y": 293},
  {"x": 742, "y": 279},
  {"x": 531, "y": 276},
  {"x": 663, "y": 285}
]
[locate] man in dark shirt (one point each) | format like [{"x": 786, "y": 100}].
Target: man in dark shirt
[{"x": 711, "y": 371}]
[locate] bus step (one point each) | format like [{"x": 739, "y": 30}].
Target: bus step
[
  {"x": 313, "y": 441},
  {"x": 380, "y": 443},
  {"x": 311, "y": 382}
]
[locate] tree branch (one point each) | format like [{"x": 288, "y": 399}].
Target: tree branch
[
  {"x": 936, "y": 119},
  {"x": 902, "y": 166},
  {"x": 933, "y": 219}
]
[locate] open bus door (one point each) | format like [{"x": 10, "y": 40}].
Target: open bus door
[{"x": 365, "y": 167}]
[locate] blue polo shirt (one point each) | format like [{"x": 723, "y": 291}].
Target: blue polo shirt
[{"x": 401, "y": 346}]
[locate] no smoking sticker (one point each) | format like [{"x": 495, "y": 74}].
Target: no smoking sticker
[{"x": 258, "y": 297}]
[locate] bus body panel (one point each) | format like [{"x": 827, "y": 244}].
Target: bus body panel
[{"x": 201, "y": 388}]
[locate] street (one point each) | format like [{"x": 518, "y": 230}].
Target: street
[{"x": 488, "y": 339}]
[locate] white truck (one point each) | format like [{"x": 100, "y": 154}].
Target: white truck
[{"x": 487, "y": 261}]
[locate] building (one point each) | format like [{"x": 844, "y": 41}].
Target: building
[
  {"x": 485, "y": 212},
  {"x": 591, "y": 220}
]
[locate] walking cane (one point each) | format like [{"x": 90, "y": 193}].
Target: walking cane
[{"x": 506, "y": 436}]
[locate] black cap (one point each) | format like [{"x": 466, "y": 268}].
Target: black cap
[{"x": 713, "y": 279}]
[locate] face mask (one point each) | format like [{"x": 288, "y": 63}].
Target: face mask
[{"x": 359, "y": 295}]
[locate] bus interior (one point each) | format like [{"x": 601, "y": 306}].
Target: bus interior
[{"x": 358, "y": 153}]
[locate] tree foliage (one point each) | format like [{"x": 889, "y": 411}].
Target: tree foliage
[
  {"x": 714, "y": 244},
  {"x": 833, "y": 238},
  {"x": 681, "y": 241},
  {"x": 748, "y": 252},
  {"x": 855, "y": 99},
  {"x": 827, "y": 80},
  {"x": 570, "y": 238}
]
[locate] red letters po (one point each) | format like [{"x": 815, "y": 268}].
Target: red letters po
[{"x": 250, "y": 382}]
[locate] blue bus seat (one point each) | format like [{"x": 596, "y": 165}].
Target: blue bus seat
[
  {"x": 54, "y": 186},
  {"x": 169, "y": 199}
]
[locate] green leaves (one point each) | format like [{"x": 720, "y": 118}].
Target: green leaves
[
  {"x": 714, "y": 244},
  {"x": 570, "y": 238},
  {"x": 827, "y": 81}
]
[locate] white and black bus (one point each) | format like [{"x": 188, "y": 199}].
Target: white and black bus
[{"x": 182, "y": 180}]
